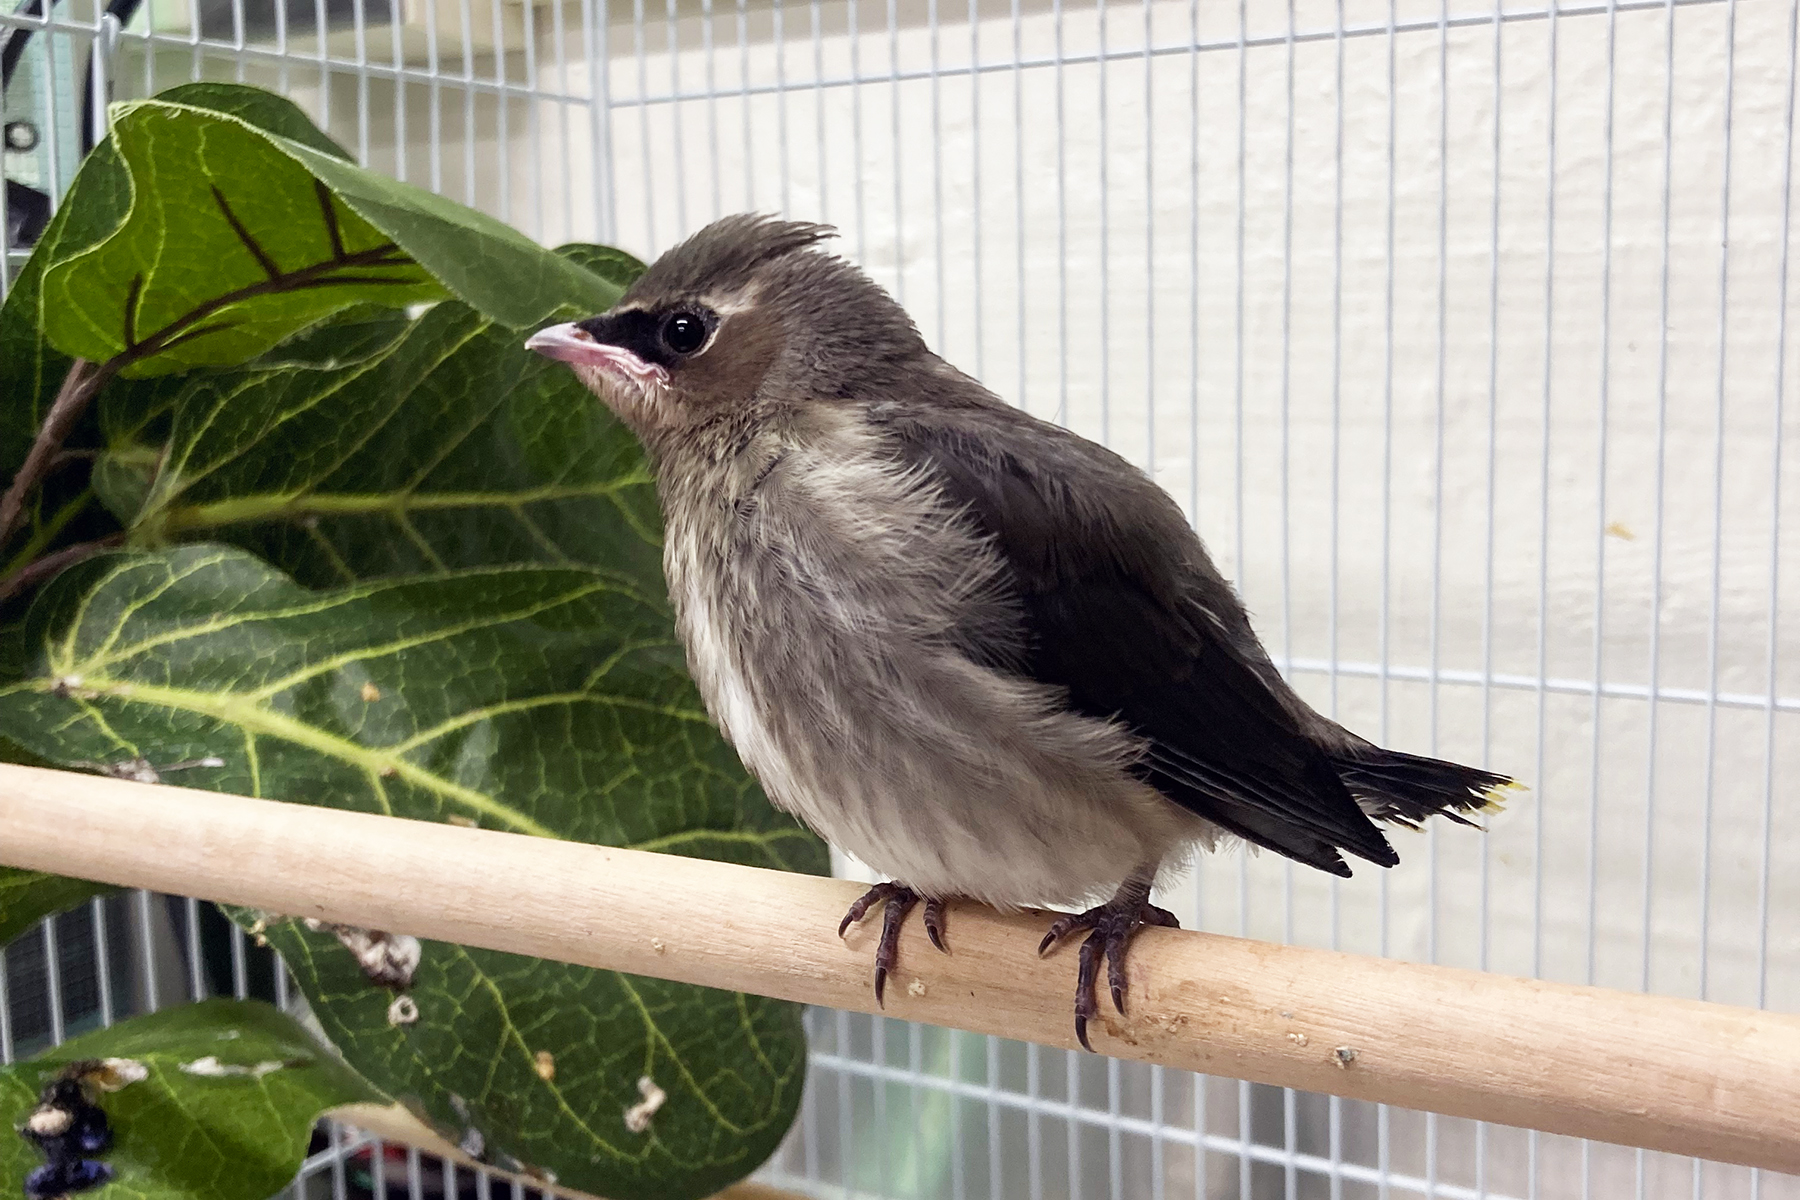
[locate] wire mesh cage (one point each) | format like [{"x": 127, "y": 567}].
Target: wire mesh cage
[{"x": 1459, "y": 330}]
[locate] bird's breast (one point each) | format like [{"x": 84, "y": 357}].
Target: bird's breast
[{"x": 713, "y": 617}]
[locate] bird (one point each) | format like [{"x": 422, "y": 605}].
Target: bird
[{"x": 988, "y": 657}]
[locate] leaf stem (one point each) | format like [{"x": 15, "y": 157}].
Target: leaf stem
[
  {"x": 78, "y": 388},
  {"x": 47, "y": 532},
  {"x": 33, "y": 573},
  {"x": 268, "y": 506}
]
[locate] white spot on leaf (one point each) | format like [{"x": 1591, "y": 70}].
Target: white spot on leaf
[
  {"x": 637, "y": 1117},
  {"x": 211, "y": 1068},
  {"x": 388, "y": 959},
  {"x": 403, "y": 1011},
  {"x": 115, "y": 1073}
]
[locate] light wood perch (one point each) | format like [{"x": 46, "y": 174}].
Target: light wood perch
[{"x": 1677, "y": 1075}]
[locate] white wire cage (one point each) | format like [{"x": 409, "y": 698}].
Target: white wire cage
[{"x": 1461, "y": 332}]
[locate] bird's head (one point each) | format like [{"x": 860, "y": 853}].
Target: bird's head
[{"x": 745, "y": 317}]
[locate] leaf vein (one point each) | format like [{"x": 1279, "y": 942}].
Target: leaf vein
[{"x": 231, "y": 709}]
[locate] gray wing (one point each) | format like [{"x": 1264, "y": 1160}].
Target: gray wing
[{"x": 1121, "y": 608}]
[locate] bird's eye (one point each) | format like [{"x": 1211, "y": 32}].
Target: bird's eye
[{"x": 684, "y": 333}]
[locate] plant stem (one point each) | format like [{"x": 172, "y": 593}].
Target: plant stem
[
  {"x": 33, "y": 573},
  {"x": 78, "y": 388},
  {"x": 47, "y": 532}
]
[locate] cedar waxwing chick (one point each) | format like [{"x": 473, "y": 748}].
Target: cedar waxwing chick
[{"x": 986, "y": 656}]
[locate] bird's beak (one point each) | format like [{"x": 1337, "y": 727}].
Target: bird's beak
[{"x": 574, "y": 345}]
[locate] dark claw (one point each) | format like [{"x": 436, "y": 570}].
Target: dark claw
[
  {"x": 899, "y": 900},
  {"x": 1112, "y": 927},
  {"x": 1115, "y": 973},
  {"x": 887, "y": 951},
  {"x": 1087, "y": 969},
  {"x": 1063, "y": 928},
  {"x": 864, "y": 903},
  {"x": 934, "y": 924}
]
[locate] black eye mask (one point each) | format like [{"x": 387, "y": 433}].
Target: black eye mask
[{"x": 663, "y": 338}]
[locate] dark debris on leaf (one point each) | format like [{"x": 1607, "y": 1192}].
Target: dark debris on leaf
[
  {"x": 68, "y": 1129},
  {"x": 65, "y": 1177}
]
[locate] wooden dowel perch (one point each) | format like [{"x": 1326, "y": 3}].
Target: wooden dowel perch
[{"x": 1676, "y": 1075}]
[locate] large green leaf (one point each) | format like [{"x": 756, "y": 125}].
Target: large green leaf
[
  {"x": 228, "y": 246},
  {"x": 544, "y": 1060},
  {"x": 541, "y": 700},
  {"x": 229, "y": 1094},
  {"x": 99, "y": 198},
  {"x": 235, "y": 237},
  {"x": 378, "y": 446}
]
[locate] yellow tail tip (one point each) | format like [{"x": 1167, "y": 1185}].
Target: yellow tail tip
[{"x": 1494, "y": 798}]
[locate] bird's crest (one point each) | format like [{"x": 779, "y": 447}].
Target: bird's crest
[{"x": 727, "y": 254}]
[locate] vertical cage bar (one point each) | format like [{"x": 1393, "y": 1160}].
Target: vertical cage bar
[
  {"x": 53, "y": 991},
  {"x": 677, "y": 153}
]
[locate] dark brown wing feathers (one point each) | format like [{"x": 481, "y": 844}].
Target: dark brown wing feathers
[{"x": 1115, "y": 612}]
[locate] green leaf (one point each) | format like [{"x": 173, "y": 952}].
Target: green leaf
[
  {"x": 123, "y": 476},
  {"x": 376, "y": 446},
  {"x": 731, "y": 1066},
  {"x": 27, "y": 897},
  {"x": 541, "y": 700},
  {"x": 229, "y": 245},
  {"x": 99, "y": 198},
  {"x": 230, "y": 1093},
  {"x": 609, "y": 263},
  {"x": 235, "y": 237},
  {"x": 484, "y": 262},
  {"x": 263, "y": 109}
]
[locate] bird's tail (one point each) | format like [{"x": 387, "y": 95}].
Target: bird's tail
[{"x": 1406, "y": 788}]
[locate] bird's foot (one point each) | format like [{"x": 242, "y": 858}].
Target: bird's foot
[
  {"x": 899, "y": 900},
  {"x": 1113, "y": 925}
]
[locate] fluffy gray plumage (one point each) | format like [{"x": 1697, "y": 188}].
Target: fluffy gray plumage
[{"x": 986, "y": 656}]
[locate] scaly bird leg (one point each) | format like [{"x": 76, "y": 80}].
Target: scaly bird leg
[
  {"x": 899, "y": 900},
  {"x": 1113, "y": 925}
]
